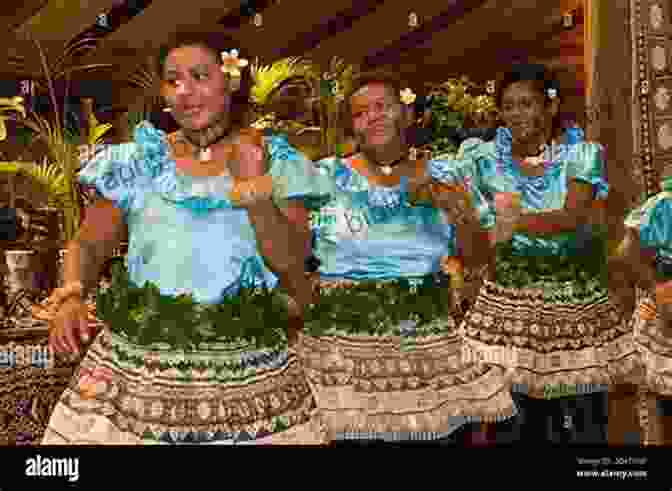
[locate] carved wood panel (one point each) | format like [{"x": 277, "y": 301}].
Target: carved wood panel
[{"x": 652, "y": 128}]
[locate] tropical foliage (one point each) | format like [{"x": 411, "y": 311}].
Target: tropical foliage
[
  {"x": 335, "y": 83},
  {"x": 329, "y": 88},
  {"x": 146, "y": 78},
  {"x": 9, "y": 105},
  {"x": 57, "y": 172},
  {"x": 268, "y": 78},
  {"x": 452, "y": 103}
]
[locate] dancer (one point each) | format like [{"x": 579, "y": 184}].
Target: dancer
[
  {"x": 645, "y": 257},
  {"x": 544, "y": 312},
  {"x": 194, "y": 349},
  {"x": 380, "y": 348}
]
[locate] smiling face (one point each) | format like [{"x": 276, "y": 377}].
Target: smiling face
[
  {"x": 378, "y": 118},
  {"x": 195, "y": 88},
  {"x": 525, "y": 113}
]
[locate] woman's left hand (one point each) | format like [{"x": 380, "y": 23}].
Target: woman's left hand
[{"x": 248, "y": 157}]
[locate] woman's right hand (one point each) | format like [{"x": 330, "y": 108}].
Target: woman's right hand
[{"x": 69, "y": 329}]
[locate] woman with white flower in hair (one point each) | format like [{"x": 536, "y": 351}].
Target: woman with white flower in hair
[
  {"x": 195, "y": 347},
  {"x": 380, "y": 347},
  {"x": 544, "y": 311}
]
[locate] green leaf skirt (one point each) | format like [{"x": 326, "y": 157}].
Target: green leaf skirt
[
  {"x": 148, "y": 318},
  {"x": 379, "y": 308}
]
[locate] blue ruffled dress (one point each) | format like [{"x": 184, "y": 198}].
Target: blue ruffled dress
[
  {"x": 543, "y": 312},
  {"x": 653, "y": 222},
  {"x": 185, "y": 236},
  {"x": 369, "y": 384}
]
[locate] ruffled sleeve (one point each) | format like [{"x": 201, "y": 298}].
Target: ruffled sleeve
[
  {"x": 464, "y": 170},
  {"x": 586, "y": 163},
  {"x": 294, "y": 176},
  {"x": 653, "y": 221},
  {"x": 122, "y": 172}
]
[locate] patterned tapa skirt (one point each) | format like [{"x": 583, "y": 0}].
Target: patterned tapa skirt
[
  {"x": 124, "y": 393},
  {"x": 31, "y": 383},
  {"x": 558, "y": 334},
  {"x": 655, "y": 348},
  {"x": 405, "y": 381}
]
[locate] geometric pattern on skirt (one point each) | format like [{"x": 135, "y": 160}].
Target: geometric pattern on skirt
[
  {"x": 28, "y": 395},
  {"x": 547, "y": 337},
  {"x": 385, "y": 387},
  {"x": 123, "y": 393},
  {"x": 655, "y": 348}
]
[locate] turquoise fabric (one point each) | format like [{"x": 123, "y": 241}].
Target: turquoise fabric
[
  {"x": 653, "y": 221},
  {"x": 185, "y": 235},
  {"x": 487, "y": 168},
  {"x": 371, "y": 232}
]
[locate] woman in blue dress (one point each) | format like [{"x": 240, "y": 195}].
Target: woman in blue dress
[
  {"x": 194, "y": 347},
  {"x": 645, "y": 257},
  {"x": 380, "y": 347},
  {"x": 544, "y": 312}
]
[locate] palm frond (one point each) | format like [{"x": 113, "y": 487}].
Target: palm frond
[
  {"x": 82, "y": 68},
  {"x": 10, "y": 167},
  {"x": 267, "y": 78},
  {"x": 48, "y": 175},
  {"x": 145, "y": 78},
  {"x": 13, "y": 104},
  {"x": 97, "y": 132},
  {"x": 73, "y": 48}
]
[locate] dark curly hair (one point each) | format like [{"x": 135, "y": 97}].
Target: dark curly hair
[
  {"x": 388, "y": 79},
  {"x": 216, "y": 43},
  {"x": 540, "y": 78}
]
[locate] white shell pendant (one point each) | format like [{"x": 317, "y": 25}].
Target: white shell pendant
[
  {"x": 206, "y": 155},
  {"x": 386, "y": 169}
]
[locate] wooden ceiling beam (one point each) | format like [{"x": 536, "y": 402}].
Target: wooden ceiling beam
[
  {"x": 128, "y": 47},
  {"x": 517, "y": 28},
  {"x": 52, "y": 26},
  {"x": 287, "y": 26},
  {"x": 13, "y": 13},
  {"x": 59, "y": 21},
  {"x": 382, "y": 28},
  {"x": 484, "y": 50},
  {"x": 470, "y": 30}
]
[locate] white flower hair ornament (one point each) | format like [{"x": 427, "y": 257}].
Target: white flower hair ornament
[
  {"x": 407, "y": 96},
  {"x": 552, "y": 93},
  {"x": 232, "y": 65}
]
